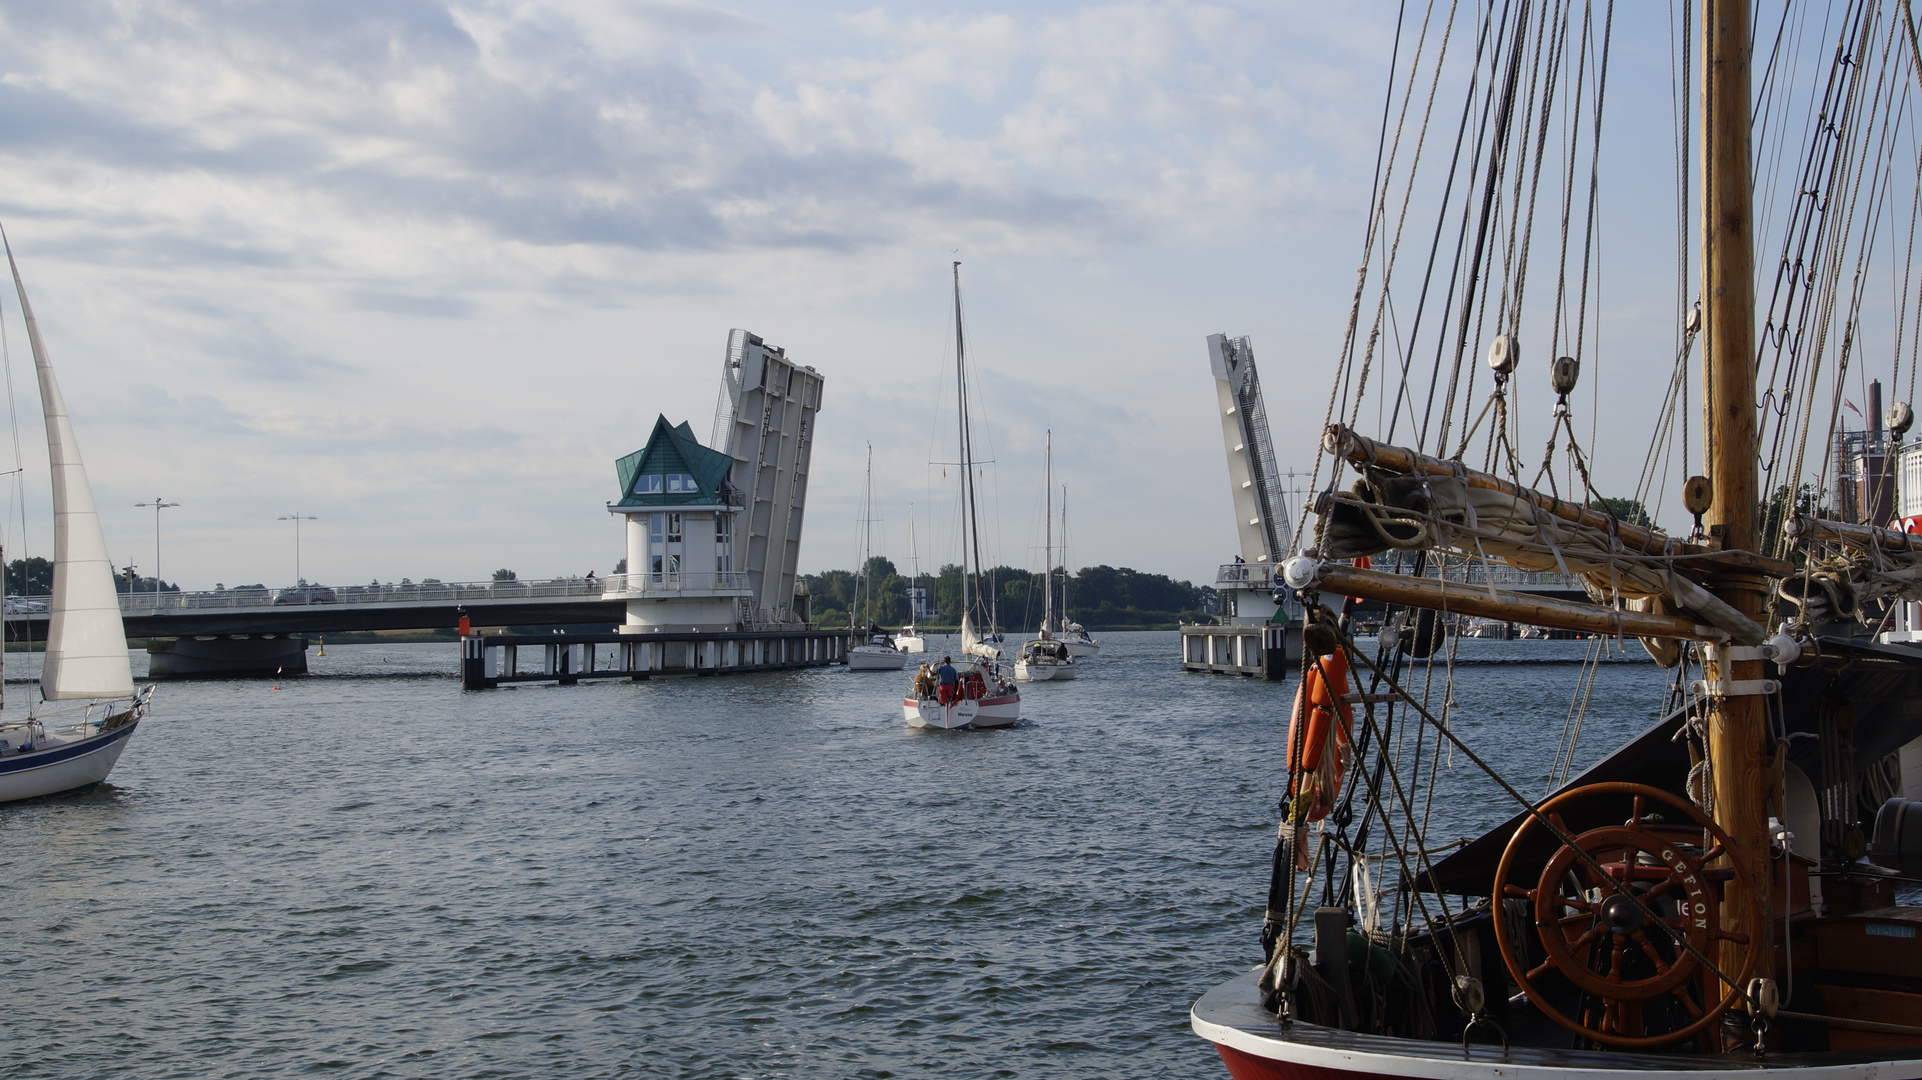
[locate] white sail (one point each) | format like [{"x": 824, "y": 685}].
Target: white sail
[
  {"x": 86, "y": 641},
  {"x": 971, "y": 645}
]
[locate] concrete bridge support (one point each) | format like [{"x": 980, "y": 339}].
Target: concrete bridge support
[{"x": 490, "y": 660}]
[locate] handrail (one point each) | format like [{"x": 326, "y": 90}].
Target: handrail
[
  {"x": 677, "y": 581},
  {"x": 437, "y": 592}
]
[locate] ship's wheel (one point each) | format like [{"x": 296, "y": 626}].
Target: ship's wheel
[{"x": 1614, "y": 927}]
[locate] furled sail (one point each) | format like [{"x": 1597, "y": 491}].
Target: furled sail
[
  {"x": 971, "y": 645},
  {"x": 86, "y": 641},
  {"x": 1408, "y": 501}
]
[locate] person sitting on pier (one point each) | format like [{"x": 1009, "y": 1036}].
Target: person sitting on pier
[{"x": 950, "y": 681}]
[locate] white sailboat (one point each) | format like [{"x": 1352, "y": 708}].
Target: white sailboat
[
  {"x": 878, "y": 652},
  {"x": 1044, "y": 659},
  {"x": 67, "y": 746},
  {"x": 1080, "y": 643},
  {"x": 910, "y": 640},
  {"x": 981, "y": 694}
]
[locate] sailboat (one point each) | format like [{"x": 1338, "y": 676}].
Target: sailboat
[
  {"x": 1721, "y": 894},
  {"x": 982, "y": 694},
  {"x": 877, "y": 652},
  {"x": 1043, "y": 658},
  {"x": 1080, "y": 643},
  {"x": 910, "y": 639},
  {"x": 89, "y": 708}
]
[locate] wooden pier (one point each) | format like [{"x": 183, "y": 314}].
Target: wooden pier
[{"x": 488, "y": 660}]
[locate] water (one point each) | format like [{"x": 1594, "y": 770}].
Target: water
[{"x": 368, "y": 872}]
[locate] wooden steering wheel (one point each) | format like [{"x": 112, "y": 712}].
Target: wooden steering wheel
[{"x": 1639, "y": 986}]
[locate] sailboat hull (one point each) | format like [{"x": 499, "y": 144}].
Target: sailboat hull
[
  {"x": 1255, "y": 1046},
  {"x": 911, "y": 643},
  {"x": 989, "y": 712},
  {"x": 1042, "y": 671},
  {"x": 874, "y": 658},
  {"x": 62, "y": 767}
]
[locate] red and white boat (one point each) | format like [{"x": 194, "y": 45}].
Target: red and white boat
[
  {"x": 986, "y": 696},
  {"x": 985, "y": 699}
]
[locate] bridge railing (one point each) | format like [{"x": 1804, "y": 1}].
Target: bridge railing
[
  {"x": 1247, "y": 575},
  {"x": 678, "y": 581},
  {"x": 436, "y": 592}
]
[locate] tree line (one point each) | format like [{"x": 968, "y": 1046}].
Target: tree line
[{"x": 1098, "y": 597}]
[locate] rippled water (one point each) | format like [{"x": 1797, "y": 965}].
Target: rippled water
[{"x": 369, "y": 872}]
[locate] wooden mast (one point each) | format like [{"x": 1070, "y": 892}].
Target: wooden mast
[{"x": 1736, "y": 723}]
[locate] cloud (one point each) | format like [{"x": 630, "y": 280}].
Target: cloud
[{"x": 429, "y": 259}]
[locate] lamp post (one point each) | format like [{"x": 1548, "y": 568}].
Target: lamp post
[
  {"x": 297, "y": 518},
  {"x": 158, "y": 505}
]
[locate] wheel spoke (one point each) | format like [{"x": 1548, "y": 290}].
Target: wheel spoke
[
  {"x": 1688, "y": 1002},
  {"x": 1649, "y": 950}
]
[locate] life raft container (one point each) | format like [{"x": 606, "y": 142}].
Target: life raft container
[{"x": 1325, "y": 744}]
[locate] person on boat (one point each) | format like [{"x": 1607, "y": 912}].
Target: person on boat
[{"x": 950, "y": 680}]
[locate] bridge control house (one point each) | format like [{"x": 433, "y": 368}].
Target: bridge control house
[{"x": 714, "y": 533}]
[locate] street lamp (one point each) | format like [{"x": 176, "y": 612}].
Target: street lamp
[
  {"x": 158, "y": 505},
  {"x": 296, "y": 518}
]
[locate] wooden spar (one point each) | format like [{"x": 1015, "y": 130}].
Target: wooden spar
[
  {"x": 1464, "y": 599},
  {"x": 1859, "y": 536},
  {"x": 1736, "y": 723},
  {"x": 1359, "y": 449}
]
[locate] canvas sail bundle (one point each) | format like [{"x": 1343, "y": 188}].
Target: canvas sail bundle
[{"x": 1409, "y": 502}]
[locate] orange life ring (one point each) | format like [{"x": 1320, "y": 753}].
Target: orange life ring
[{"x": 1325, "y": 745}]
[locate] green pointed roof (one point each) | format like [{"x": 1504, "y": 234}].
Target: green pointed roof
[{"x": 673, "y": 450}]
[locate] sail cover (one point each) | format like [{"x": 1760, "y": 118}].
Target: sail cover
[{"x": 86, "y": 642}]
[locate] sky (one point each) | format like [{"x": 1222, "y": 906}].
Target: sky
[{"x": 423, "y": 270}]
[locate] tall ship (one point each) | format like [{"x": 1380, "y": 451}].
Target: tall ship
[{"x": 1733, "y": 890}]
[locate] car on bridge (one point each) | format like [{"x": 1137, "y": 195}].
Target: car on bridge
[
  {"x": 307, "y": 594},
  {"x": 20, "y": 605}
]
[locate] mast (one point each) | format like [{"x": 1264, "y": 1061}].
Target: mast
[
  {"x": 867, "y": 540},
  {"x": 1736, "y": 724},
  {"x": 961, "y": 411},
  {"x": 914, "y": 559},
  {"x": 1047, "y": 542},
  {"x": 1064, "y": 553}
]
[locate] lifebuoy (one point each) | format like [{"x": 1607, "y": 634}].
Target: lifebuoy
[{"x": 1325, "y": 744}]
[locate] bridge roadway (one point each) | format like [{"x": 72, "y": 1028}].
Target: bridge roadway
[{"x": 436, "y": 606}]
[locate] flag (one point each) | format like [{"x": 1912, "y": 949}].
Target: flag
[{"x": 1850, "y": 405}]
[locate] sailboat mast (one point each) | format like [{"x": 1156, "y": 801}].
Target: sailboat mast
[
  {"x": 867, "y": 539},
  {"x": 961, "y": 411},
  {"x": 1047, "y": 541},
  {"x": 1736, "y": 722}
]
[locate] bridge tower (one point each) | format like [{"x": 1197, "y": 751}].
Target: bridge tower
[{"x": 714, "y": 532}]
